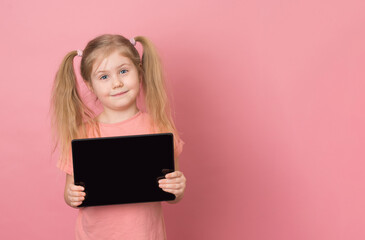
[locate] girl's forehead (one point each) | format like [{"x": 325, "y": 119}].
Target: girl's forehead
[{"x": 110, "y": 61}]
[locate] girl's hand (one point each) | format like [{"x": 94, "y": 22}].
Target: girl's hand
[
  {"x": 174, "y": 183},
  {"x": 75, "y": 195}
]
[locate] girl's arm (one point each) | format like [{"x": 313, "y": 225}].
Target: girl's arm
[{"x": 74, "y": 195}]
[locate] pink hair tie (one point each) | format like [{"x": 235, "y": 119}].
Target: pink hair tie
[
  {"x": 133, "y": 41},
  {"x": 79, "y": 52}
]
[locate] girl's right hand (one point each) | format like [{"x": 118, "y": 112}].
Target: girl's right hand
[{"x": 74, "y": 194}]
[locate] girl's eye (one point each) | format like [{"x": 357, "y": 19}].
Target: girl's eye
[
  {"x": 104, "y": 77},
  {"x": 123, "y": 71}
]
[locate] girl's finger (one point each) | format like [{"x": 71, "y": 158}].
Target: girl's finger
[
  {"x": 77, "y": 188},
  {"x": 76, "y": 193},
  {"x": 77, "y": 199},
  {"x": 79, "y": 194},
  {"x": 171, "y": 180},
  {"x": 75, "y": 204},
  {"x": 173, "y": 191},
  {"x": 172, "y": 186},
  {"x": 173, "y": 174}
]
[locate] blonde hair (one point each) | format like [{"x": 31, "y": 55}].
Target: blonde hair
[{"x": 71, "y": 118}]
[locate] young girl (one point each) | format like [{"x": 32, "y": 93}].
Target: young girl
[{"x": 112, "y": 69}]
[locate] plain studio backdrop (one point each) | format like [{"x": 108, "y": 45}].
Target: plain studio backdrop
[{"x": 268, "y": 97}]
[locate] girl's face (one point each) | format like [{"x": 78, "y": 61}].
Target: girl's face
[{"x": 115, "y": 81}]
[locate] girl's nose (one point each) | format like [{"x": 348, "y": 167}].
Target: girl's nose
[{"x": 117, "y": 83}]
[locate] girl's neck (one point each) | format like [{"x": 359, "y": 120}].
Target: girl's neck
[{"x": 110, "y": 116}]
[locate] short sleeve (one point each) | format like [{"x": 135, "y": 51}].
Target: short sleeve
[
  {"x": 178, "y": 146},
  {"x": 67, "y": 166}
]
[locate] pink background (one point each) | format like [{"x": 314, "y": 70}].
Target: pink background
[{"x": 268, "y": 96}]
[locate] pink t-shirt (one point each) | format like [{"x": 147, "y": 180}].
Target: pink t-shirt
[{"x": 139, "y": 221}]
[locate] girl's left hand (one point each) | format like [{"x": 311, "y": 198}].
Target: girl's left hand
[{"x": 174, "y": 183}]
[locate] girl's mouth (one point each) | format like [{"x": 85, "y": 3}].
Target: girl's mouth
[{"x": 119, "y": 94}]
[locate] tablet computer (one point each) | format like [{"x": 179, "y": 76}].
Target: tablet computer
[{"x": 123, "y": 169}]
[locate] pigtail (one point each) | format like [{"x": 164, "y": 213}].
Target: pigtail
[
  {"x": 68, "y": 110},
  {"x": 154, "y": 88}
]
